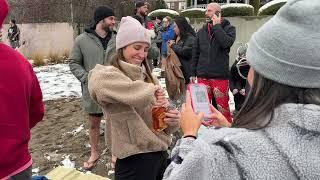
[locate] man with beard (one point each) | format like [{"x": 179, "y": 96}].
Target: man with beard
[
  {"x": 94, "y": 46},
  {"x": 210, "y": 57},
  {"x": 142, "y": 11}
]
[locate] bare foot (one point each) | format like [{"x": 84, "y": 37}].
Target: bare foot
[{"x": 88, "y": 165}]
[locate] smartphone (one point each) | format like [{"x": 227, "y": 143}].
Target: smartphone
[
  {"x": 217, "y": 13},
  {"x": 200, "y": 99}
]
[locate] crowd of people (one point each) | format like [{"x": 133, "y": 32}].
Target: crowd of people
[{"x": 275, "y": 81}]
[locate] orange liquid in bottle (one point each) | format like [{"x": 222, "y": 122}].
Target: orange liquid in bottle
[{"x": 158, "y": 115}]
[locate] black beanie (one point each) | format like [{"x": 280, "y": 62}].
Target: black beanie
[
  {"x": 102, "y": 12},
  {"x": 140, "y": 4}
]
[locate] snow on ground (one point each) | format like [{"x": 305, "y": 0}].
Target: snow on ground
[{"x": 57, "y": 81}]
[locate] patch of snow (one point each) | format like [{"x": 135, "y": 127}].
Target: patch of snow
[
  {"x": 271, "y": 3},
  {"x": 76, "y": 131},
  {"x": 239, "y": 5},
  {"x": 110, "y": 172},
  {"x": 57, "y": 81},
  {"x": 87, "y": 145},
  {"x": 67, "y": 163},
  {"x": 35, "y": 171},
  {"x": 48, "y": 157},
  {"x": 175, "y": 13},
  {"x": 194, "y": 9}
]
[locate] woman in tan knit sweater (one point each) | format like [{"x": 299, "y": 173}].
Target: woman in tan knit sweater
[{"x": 127, "y": 92}]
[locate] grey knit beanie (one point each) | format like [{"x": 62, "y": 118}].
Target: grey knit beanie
[{"x": 286, "y": 49}]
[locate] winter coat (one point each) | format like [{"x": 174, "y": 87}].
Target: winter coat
[
  {"x": 21, "y": 108},
  {"x": 287, "y": 149},
  {"x": 175, "y": 82},
  {"x": 183, "y": 49},
  {"x": 166, "y": 35},
  {"x": 127, "y": 100},
  {"x": 86, "y": 53},
  {"x": 210, "y": 56},
  {"x": 238, "y": 80},
  {"x": 14, "y": 33}
]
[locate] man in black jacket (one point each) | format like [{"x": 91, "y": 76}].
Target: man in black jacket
[{"x": 210, "y": 57}]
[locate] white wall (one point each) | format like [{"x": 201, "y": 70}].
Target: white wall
[{"x": 44, "y": 38}]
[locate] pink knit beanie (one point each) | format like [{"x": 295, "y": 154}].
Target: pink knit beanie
[{"x": 131, "y": 31}]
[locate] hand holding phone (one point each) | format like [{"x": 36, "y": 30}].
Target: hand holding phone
[
  {"x": 189, "y": 121},
  {"x": 200, "y": 101},
  {"x": 216, "y": 18}
]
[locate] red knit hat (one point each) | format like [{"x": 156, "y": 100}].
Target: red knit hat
[{"x": 3, "y": 11}]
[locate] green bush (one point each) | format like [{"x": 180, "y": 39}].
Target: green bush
[
  {"x": 230, "y": 10},
  {"x": 157, "y": 4},
  {"x": 163, "y": 13},
  {"x": 193, "y": 13},
  {"x": 256, "y": 5},
  {"x": 271, "y": 8},
  {"x": 126, "y": 8}
]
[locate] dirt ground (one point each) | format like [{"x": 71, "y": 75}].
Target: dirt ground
[{"x": 52, "y": 139}]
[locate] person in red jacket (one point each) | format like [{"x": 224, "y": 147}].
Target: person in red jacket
[{"x": 21, "y": 108}]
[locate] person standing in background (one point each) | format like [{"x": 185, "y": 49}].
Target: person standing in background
[
  {"x": 13, "y": 34},
  {"x": 210, "y": 57},
  {"x": 166, "y": 35},
  {"x": 141, "y": 10},
  {"x": 182, "y": 45},
  {"x": 94, "y": 46}
]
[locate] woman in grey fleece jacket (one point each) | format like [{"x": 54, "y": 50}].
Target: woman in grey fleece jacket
[{"x": 276, "y": 134}]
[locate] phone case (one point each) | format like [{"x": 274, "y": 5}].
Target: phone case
[{"x": 204, "y": 122}]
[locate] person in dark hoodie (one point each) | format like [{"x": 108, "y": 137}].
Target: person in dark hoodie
[
  {"x": 94, "y": 46},
  {"x": 210, "y": 57},
  {"x": 21, "y": 108}
]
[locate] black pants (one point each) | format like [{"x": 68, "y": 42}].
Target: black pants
[
  {"x": 239, "y": 100},
  {"x": 24, "y": 175},
  {"x": 146, "y": 166}
]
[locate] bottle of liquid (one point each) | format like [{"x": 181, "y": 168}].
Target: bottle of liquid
[{"x": 158, "y": 115}]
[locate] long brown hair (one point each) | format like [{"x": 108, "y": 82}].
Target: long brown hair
[
  {"x": 119, "y": 57},
  {"x": 265, "y": 95}
]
